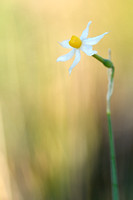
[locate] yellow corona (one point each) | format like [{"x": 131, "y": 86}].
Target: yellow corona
[{"x": 75, "y": 42}]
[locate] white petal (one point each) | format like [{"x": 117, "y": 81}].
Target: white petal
[
  {"x": 94, "y": 40},
  {"x": 66, "y": 56},
  {"x": 85, "y": 32},
  {"x": 76, "y": 60},
  {"x": 65, "y": 44},
  {"x": 88, "y": 50}
]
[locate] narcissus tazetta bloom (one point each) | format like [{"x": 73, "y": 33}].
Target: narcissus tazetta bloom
[{"x": 76, "y": 44}]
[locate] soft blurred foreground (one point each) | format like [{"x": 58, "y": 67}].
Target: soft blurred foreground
[{"x": 53, "y": 127}]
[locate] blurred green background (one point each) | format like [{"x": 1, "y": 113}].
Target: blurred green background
[{"x": 53, "y": 127}]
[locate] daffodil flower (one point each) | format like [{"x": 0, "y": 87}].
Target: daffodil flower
[{"x": 76, "y": 44}]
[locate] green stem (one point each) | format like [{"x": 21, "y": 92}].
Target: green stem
[
  {"x": 109, "y": 64},
  {"x": 115, "y": 194},
  {"x": 105, "y": 62}
]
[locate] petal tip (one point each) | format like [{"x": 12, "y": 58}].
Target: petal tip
[
  {"x": 59, "y": 43},
  {"x": 57, "y": 60},
  {"x": 106, "y": 33},
  {"x": 70, "y": 71},
  {"x": 89, "y": 22},
  {"x": 65, "y": 44}
]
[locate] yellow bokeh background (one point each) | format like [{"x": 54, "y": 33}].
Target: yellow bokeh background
[{"x": 53, "y": 127}]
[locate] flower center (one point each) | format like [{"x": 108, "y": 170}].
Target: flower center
[{"x": 75, "y": 42}]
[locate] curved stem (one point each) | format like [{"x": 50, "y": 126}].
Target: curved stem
[{"x": 110, "y": 66}]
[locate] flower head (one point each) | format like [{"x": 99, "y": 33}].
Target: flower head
[{"x": 76, "y": 44}]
